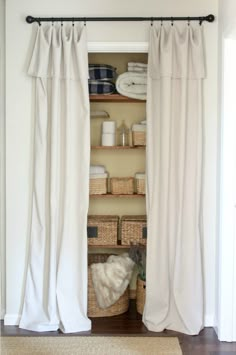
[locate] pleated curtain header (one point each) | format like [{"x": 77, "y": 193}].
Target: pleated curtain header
[
  {"x": 177, "y": 52},
  {"x": 58, "y": 52}
]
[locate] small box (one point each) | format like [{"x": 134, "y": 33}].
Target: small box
[
  {"x": 140, "y": 179},
  {"x": 133, "y": 230},
  {"x": 102, "y": 230},
  {"x": 139, "y": 138},
  {"x": 122, "y": 186},
  {"x": 98, "y": 184},
  {"x": 139, "y": 134}
]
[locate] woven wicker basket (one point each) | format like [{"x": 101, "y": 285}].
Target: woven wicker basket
[
  {"x": 140, "y": 295},
  {"x": 121, "y": 306},
  {"x": 133, "y": 230},
  {"x": 122, "y": 186},
  {"x": 139, "y": 138},
  {"x": 98, "y": 186},
  {"x": 102, "y": 230},
  {"x": 140, "y": 186}
]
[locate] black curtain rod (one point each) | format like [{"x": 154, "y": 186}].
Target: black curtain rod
[{"x": 31, "y": 19}]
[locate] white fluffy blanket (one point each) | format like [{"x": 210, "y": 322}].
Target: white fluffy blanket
[
  {"x": 133, "y": 85},
  {"x": 110, "y": 279}
]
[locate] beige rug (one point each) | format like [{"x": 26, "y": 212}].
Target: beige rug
[{"x": 90, "y": 345}]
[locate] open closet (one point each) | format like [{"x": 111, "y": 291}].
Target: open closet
[{"x": 123, "y": 198}]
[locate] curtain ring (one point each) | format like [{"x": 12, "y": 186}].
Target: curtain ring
[
  {"x": 52, "y": 21},
  {"x": 151, "y": 21},
  {"x": 73, "y": 21},
  {"x": 188, "y": 21},
  {"x": 200, "y": 21},
  {"x": 39, "y": 23},
  {"x": 172, "y": 21},
  {"x": 61, "y": 22},
  {"x": 161, "y": 21},
  {"x": 85, "y": 21}
]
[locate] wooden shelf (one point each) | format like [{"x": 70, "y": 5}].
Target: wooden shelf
[
  {"x": 117, "y": 147},
  {"x": 117, "y": 246},
  {"x": 112, "y": 98},
  {"x": 109, "y": 195}
]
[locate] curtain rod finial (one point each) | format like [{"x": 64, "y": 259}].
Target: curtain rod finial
[
  {"x": 210, "y": 18},
  {"x": 29, "y": 19}
]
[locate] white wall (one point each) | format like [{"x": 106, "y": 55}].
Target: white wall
[
  {"x": 19, "y": 117},
  {"x": 2, "y": 159},
  {"x": 226, "y": 250}
]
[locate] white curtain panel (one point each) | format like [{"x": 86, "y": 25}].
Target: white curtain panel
[
  {"x": 56, "y": 287},
  {"x": 174, "y": 291}
]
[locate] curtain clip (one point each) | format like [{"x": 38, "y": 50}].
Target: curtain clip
[
  {"x": 161, "y": 21},
  {"x": 188, "y": 21},
  {"x": 172, "y": 21},
  {"x": 85, "y": 21},
  {"x": 52, "y": 20},
  {"x": 73, "y": 21},
  {"x": 200, "y": 21},
  {"x": 61, "y": 22},
  {"x": 151, "y": 21},
  {"x": 39, "y": 22}
]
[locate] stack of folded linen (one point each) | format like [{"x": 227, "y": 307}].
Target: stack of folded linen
[
  {"x": 108, "y": 133},
  {"x": 97, "y": 169},
  {"x": 133, "y": 83},
  {"x": 137, "y": 67},
  {"x": 101, "y": 78}
]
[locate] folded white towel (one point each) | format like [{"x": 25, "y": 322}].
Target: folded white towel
[
  {"x": 137, "y": 64},
  {"x": 137, "y": 70},
  {"x": 98, "y": 176},
  {"x": 139, "y": 127},
  {"x": 132, "y": 85},
  {"x": 140, "y": 175},
  {"x": 97, "y": 169},
  {"x": 137, "y": 67}
]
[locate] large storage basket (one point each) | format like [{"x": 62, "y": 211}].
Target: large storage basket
[
  {"x": 133, "y": 230},
  {"x": 97, "y": 186},
  {"x": 139, "y": 138},
  {"x": 122, "y": 186},
  {"x": 102, "y": 230},
  {"x": 140, "y": 295},
  {"x": 121, "y": 306}
]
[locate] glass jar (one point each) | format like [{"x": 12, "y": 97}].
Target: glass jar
[{"x": 123, "y": 134}]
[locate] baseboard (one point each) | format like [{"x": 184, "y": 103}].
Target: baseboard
[
  {"x": 209, "y": 320},
  {"x": 12, "y": 319}
]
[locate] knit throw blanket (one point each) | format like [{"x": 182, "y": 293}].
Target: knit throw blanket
[{"x": 110, "y": 279}]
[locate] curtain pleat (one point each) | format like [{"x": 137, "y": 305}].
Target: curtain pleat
[
  {"x": 174, "y": 290},
  {"x": 56, "y": 286}
]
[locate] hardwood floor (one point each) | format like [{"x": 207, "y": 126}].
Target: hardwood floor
[{"x": 130, "y": 324}]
